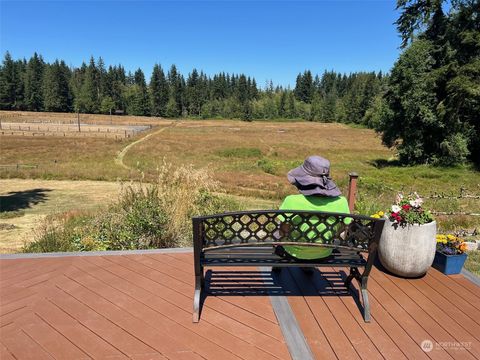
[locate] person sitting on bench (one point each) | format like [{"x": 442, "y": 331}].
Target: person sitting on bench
[{"x": 317, "y": 193}]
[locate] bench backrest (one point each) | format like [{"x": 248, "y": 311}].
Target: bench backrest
[{"x": 267, "y": 227}]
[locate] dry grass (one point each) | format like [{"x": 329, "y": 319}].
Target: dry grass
[
  {"x": 250, "y": 160},
  {"x": 44, "y": 197}
]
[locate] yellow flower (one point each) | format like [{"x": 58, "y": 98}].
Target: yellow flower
[
  {"x": 451, "y": 237},
  {"x": 381, "y": 213}
]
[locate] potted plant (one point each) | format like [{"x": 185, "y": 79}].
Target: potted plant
[
  {"x": 408, "y": 242},
  {"x": 450, "y": 255}
]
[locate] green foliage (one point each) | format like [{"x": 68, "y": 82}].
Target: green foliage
[
  {"x": 145, "y": 216},
  {"x": 267, "y": 166},
  {"x": 91, "y": 88},
  {"x": 240, "y": 153},
  {"x": 158, "y": 92},
  {"x": 433, "y": 98},
  {"x": 107, "y": 105},
  {"x": 56, "y": 88},
  {"x": 87, "y": 99},
  {"x": 33, "y": 83},
  {"x": 11, "y": 83}
]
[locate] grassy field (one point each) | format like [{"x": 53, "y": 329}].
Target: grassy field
[
  {"x": 29, "y": 201},
  {"x": 249, "y": 159}
]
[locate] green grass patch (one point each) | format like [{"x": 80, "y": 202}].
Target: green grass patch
[
  {"x": 239, "y": 152},
  {"x": 268, "y": 166}
]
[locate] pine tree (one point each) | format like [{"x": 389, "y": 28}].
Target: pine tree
[
  {"x": 56, "y": 91},
  {"x": 138, "y": 101},
  {"x": 33, "y": 83},
  {"x": 11, "y": 84},
  {"x": 158, "y": 92},
  {"x": 304, "y": 87},
  {"x": 176, "y": 85},
  {"x": 87, "y": 99}
]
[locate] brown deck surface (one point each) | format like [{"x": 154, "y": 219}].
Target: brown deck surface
[
  {"x": 140, "y": 307},
  {"x": 436, "y": 308}
]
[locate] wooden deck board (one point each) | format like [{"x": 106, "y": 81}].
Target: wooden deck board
[{"x": 139, "y": 307}]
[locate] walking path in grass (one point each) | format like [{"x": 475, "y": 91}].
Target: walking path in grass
[{"x": 121, "y": 154}]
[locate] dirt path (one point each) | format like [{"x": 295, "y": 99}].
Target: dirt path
[{"x": 121, "y": 154}]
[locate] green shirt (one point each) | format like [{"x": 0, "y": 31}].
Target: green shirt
[{"x": 314, "y": 203}]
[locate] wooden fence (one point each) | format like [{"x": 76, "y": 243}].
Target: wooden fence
[{"x": 106, "y": 135}]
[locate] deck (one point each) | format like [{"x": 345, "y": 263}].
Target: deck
[{"x": 139, "y": 306}]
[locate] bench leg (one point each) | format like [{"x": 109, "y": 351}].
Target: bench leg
[
  {"x": 362, "y": 281},
  {"x": 197, "y": 297},
  {"x": 354, "y": 274},
  {"x": 366, "y": 303}
]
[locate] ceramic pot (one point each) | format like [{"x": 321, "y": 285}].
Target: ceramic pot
[{"x": 409, "y": 250}]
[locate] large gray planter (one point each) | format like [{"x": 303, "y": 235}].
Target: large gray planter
[{"x": 409, "y": 250}]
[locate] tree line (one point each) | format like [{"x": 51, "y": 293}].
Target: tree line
[
  {"x": 427, "y": 107},
  {"x": 36, "y": 85}
]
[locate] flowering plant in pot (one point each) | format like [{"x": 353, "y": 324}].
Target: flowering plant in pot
[
  {"x": 409, "y": 210},
  {"x": 408, "y": 242},
  {"x": 450, "y": 255}
]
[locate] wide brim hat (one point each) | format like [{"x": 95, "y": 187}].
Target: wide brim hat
[{"x": 313, "y": 177}]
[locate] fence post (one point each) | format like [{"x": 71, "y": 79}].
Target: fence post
[{"x": 352, "y": 190}]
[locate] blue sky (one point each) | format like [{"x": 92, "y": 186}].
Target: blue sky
[{"x": 266, "y": 39}]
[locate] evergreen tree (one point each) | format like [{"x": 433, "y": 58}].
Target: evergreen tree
[
  {"x": 176, "y": 85},
  {"x": 56, "y": 90},
  {"x": 33, "y": 83},
  {"x": 432, "y": 103},
  {"x": 11, "y": 84},
  {"x": 87, "y": 99},
  {"x": 159, "y": 92},
  {"x": 304, "y": 87},
  {"x": 137, "y": 95}
]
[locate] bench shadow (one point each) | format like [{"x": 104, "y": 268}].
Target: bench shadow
[
  {"x": 287, "y": 282},
  {"x": 20, "y": 200}
]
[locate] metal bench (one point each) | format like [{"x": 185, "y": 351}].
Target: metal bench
[{"x": 249, "y": 238}]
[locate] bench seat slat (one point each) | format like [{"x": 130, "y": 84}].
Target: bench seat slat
[{"x": 281, "y": 262}]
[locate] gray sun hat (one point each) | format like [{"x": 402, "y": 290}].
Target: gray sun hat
[{"x": 312, "y": 177}]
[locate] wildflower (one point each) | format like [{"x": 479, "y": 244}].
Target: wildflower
[
  {"x": 399, "y": 198},
  {"x": 406, "y": 207},
  {"x": 396, "y": 208}
]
